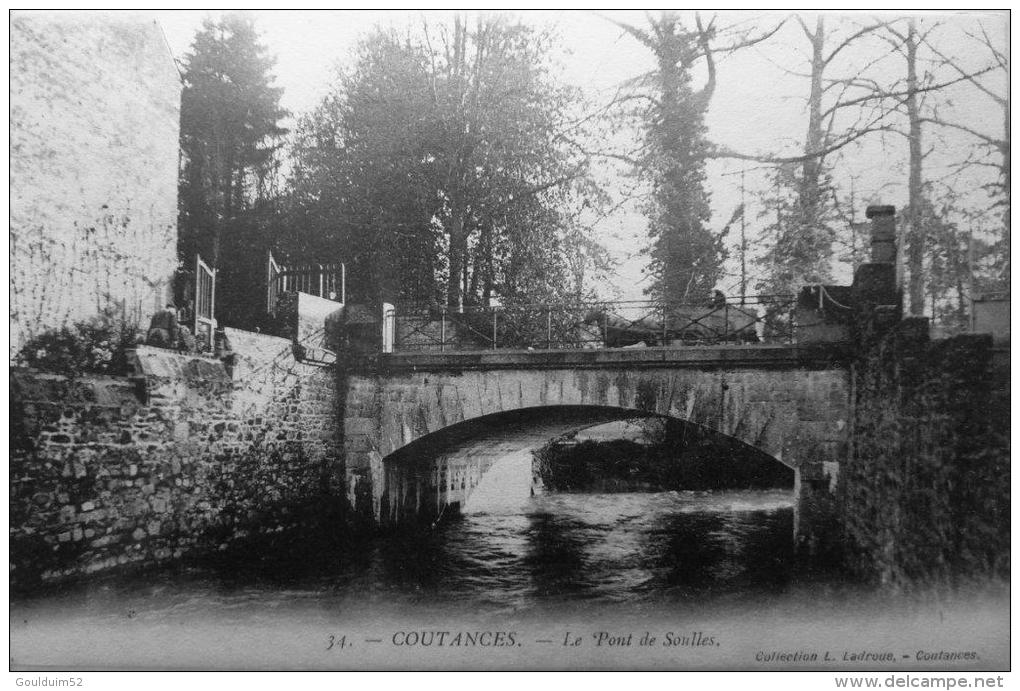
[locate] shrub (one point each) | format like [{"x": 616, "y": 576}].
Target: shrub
[{"x": 97, "y": 345}]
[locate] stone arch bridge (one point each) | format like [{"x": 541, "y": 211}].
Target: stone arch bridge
[{"x": 420, "y": 429}]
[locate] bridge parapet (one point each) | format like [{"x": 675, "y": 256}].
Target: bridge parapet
[
  {"x": 596, "y": 325},
  {"x": 813, "y": 356}
]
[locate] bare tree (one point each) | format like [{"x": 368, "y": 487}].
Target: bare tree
[
  {"x": 920, "y": 80},
  {"x": 915, "y": 236},
  {"x": 996, "y": 144},
  {"x": 804, "y": 195},
  {"x": 899, "y": 106}
]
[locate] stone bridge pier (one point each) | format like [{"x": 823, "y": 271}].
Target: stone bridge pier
[{"x": 420, "y": 429}]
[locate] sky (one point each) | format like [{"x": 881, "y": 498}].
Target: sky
[{"x": 758, "y": 107}]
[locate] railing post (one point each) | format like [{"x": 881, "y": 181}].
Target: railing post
[
  {"x": 212, "y": 308},
  {"x": 269, "y": 282},
  {"x": 494, "y": 312},
  {"x": 790, "y": 314},
  {"x": 442, "y": 331},
  {"x": 198, "y": 293},
  {"x": 548, "y": 327},
  {"x": 664, "y": 324},
  {"x": 389, "y": 322},
  {"x": 726, "y": 323},
  {"x": 605, "y": 328}
]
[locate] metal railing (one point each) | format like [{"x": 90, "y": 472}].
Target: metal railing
[
  {"x": 606, "y": 324},
  {"x": 205, "y": 304},
  {"x": 323, "y": 280}
]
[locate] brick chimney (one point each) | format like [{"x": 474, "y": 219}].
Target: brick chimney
[
  {"x": 875, "y": 291},
  {"x": 883, "y": 234}
]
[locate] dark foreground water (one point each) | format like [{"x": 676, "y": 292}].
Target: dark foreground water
[
  {"x": 575, "y": 548},
  {"x": 707, "y": 580}
]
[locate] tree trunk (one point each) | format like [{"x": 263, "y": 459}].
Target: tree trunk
[
  {"x": 475, "y": 271},
  {"x": 489, "y": 279},
  {"x": 915, "y": 238},
  {"x": 481, "y": 274},
  {"x": 458, "y": 250},
  {"x": 813, "y": 141},
  {"x": 961, "y": 302}
]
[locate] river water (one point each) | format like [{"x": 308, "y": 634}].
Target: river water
[
  {"x": 715, "y": 573},
  {"x": 509, "y": 550}
]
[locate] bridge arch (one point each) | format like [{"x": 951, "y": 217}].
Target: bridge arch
[
  {"x": 442, "y": 469},
  {"x": 792, "y": 409}
]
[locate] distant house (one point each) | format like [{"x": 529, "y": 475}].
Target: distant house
[{"x": 94, "y": 125}]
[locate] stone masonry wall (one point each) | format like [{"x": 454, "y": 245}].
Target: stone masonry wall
[
  {"x": 925, "y": 489},
  {"x": 95, "y": 112},
  {"x": 183, "y": 457}
]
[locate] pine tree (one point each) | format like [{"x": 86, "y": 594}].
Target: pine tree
[{"x": 230, "y": 115}]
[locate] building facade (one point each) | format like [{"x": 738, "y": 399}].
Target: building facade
[{"x": 95, "y": 123}]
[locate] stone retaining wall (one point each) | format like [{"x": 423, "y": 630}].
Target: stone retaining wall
[
  {"x": 183, "y": 456},
  {"x": 925, "y": 489}
]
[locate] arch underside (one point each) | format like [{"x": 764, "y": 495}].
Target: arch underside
[{"x": 444, "y": 467}]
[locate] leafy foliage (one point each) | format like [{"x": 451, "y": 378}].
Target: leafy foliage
[
  {"x": 963, "y": 258},
  {"x": 800, "y": 232},
  {"x": 357, "y": 192},
  {"x": 435, "y": 169},
  {"x": 947, "y": 267},
  {"x": 95, "y": 346}
]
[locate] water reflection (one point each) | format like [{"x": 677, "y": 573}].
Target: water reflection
[
  {"x": 512, "y": 551},
  {"x": 615, "y": 547}
]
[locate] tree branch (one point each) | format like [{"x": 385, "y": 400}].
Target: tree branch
[
  {"x": 720, "y": 152},
  {"x": 705, "y": 95},
  {"x": 970, "y": 77},
  {"x": 897, "y": 94},
  {"x": 987, "y": 40},
  {"x": 639, "y": 34},
  {"x": 851, "y": 38},
  {"x": 991, "y": 141},
  {"x": 804, "y": 27},
  {"x": 748, "y": 42}
]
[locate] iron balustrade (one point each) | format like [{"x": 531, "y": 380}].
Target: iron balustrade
[
  {"x": 600, "y": 324},
  {"x": 322, "y": 280},
  {"x": 205, "y": 304}
]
